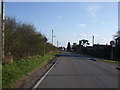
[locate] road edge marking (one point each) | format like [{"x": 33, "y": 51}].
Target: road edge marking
[{"x": 38, "y": 83}]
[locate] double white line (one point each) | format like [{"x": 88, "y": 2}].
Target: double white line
[{"x": 39, "y": 82}]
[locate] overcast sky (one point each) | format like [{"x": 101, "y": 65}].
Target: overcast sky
[{"x": 71, "y": 21}]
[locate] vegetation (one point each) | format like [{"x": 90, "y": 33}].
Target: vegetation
[
  {"x": 68, "y": 47},
  {"x": 83, "y": 42},
  {"x": 100, "y": 51},
  {"x": 22, "y": 40},
  {"x": 24, "y": 51},
  {"x": 117, "y": 45},
  {"x": 81, "y": 47},
  {"x": 117, "y": 34},
  {"x": 111, "y": 61},
  {"x": 19, "y": 68}
]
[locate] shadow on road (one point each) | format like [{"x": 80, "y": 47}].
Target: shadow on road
[
  {"x": 68, "y": 54},
  {"x": 73, "y": 55}
]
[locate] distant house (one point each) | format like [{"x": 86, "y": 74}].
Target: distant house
[{"x": 61, "y": 48}]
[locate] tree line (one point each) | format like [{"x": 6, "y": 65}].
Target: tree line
[
  {"x": 98, "y": 50},
  {"x": 22, "y": 40},
  {"x": 78, "y": 47}
]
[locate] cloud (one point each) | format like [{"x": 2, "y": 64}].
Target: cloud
[
  {"x": 93, "y": 10},
  {"x": 104, "y": 40},
  {"x": 102, "y": 22},
  {"x": 81, "y": 25},
  {"x": 80, "y": 35},
  {"x": 95, "y": 20},
  {"x": 74, "y": 35},
  {"x": 59, "y": 17},
  {"x": 84, "y": 35}
]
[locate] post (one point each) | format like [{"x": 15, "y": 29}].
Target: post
[
  {"x": 44, "y": 41},
  {"x": 2, "y": 26},
  {"x": 52, "y": 36},
  {"x": 57, "y": 43},
  {"x": 92, "y": 40},
  {"x": 112, "y": 43},
  {"x": 44, "y": 48},
  {"x": 111, "y": 52}
]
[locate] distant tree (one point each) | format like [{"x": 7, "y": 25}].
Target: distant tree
[
  {"x": 80, "y": 43},
  {"x": 117, "y": 34},
  {"x": 76, "y": 47},
  {"x": 117, "y": 45},
  {"x": 68, "y": 47},
  {"x": 83, "y": 42}
]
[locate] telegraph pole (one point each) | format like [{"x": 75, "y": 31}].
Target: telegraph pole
[
  {"x": 57, "y": 43},
  {"x": 2, "y": 26},
  {"x": 52, "y": 36}
]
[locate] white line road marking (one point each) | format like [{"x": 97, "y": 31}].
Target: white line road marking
[{"x": 38, "y": 83}]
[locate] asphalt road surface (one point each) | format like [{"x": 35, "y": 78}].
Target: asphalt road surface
[{"x": 76, "y": 71}]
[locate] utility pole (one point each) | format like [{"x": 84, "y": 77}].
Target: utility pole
[
  {"x": 44, "y": 48},
  {"x": 2, "y": 26},
  {"x": 45, "y": 40},
  {"x": 52, "y": 36},
  {"x": 57, "y": 43}
]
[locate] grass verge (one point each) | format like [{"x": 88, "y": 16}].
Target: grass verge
[
  {"x": 111, "y": 61},
  {"x": 0, "y": 76},
  {"x": 11, "y": 73}
]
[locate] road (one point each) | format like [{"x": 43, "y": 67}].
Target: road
[{"x": 77, "y": 71}]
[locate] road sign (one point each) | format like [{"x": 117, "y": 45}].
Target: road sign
[
  {"x": 45, "y": 39},
  {"x": 112, "y": 43}
]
